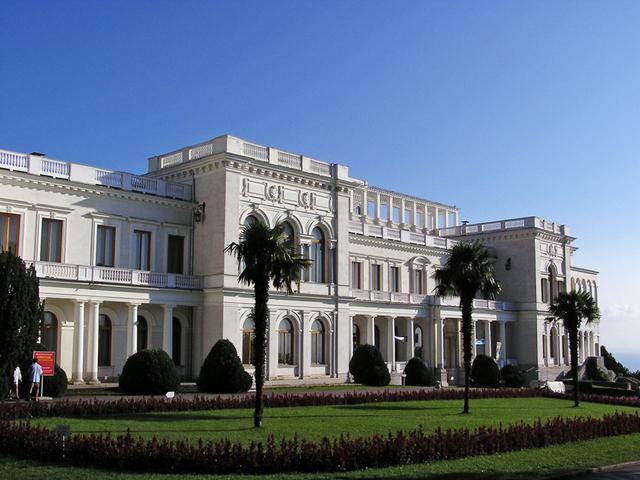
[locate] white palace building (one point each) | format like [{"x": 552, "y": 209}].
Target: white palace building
[{"x": 128, "y": 262}]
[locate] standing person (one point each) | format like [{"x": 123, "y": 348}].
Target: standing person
[
  {"x": 17, "y": 379},
  {"x": 36, "y": 376}
]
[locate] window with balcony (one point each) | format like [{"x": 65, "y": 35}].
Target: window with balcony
[
  {"x": 317, "y": 256},
  {"x": 9, "y": 232},
  {"x": 141, "y": 250},
  {"x": 51, "y": 240},
  {"x": 175, "y": 254},
  {"x": 417, "y": 281},
  {"x": 394, "y": 278},
  {"x": 356, "y": 275},
  {"x": 105, "y": 246},
  {"x": 376, "y": 277}
]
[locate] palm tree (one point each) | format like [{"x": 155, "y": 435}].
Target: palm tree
[
  {"x": 265, "y": 256},
  {"x": 468, "y": 271},
  {"x": 572, "y": 308}
]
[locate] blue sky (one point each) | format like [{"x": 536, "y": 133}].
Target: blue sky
[{"x": 504, "y": 109}]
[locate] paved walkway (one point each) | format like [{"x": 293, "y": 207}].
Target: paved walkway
[{"x": 625, "y": 471}]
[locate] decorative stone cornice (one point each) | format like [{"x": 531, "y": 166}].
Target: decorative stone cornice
[{"x": 395, "y": 245}]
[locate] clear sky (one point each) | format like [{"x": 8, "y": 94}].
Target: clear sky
[{"x": 504, "y": 109}]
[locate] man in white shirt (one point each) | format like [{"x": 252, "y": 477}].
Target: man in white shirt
[
  {"x": 17, "y": 378},
  {"x": 36, "y": 377}
]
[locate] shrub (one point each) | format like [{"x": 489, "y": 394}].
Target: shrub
[
  {"x": 417, "y": 373},
  {"x": 592, "y": 372},
  {"x": 512, "y": 376},
  {"x": 56, "y": 386},
  {"x": 368, "y": 367},
  {"x": 485, "y": 372},
  {"x": 149, "y": 372},
  {"x": 222, "y": 371}
]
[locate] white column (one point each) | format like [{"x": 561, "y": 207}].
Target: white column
[
  {"x": 503, "y": 340},
  {"x": 440, "y": 342},
  {"x": 371, "y": 325},
  {"x": 167, "y": 329},
  {"x": 391, "y": 342},
  {"x": 377, "y": 206},
  {"x": 351, "y": 330},
  {"x": 459, "y": 352},
  {"x": 487, "y": 339},
  {"x": 133, "y": 329},
  {"x": 473, "y": 340},
  {"x": 94, "y": 317},
  {"x": 79, "y": 340},
  {"x": 410, "y": 340},
  {"x": 558, "y": 345}
]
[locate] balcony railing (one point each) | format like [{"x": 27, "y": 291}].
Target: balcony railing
[
  {"x": 418, "y": 299},
  {"x": 120, "y": 276},
  {"x": 38, "y": 165}
]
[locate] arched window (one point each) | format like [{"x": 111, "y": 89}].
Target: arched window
[
  {"x": 248, "y": 336},
  {"x": 317, "y": 342},
  {"x": 177, "y": 342},
  {"x": 143, "y": 333},
  {"x": 104, "y": 341},
  {"x": 250, "y": 219},
  {"x": 417, "y": 341},
  {"x": 285, "y": 342},
  {"x": 358, "y": 210},
  {"x": 288, "y": 235},
  {"x": 356, "y": 336},
  {"x": 553, "y": 284},
  {"x": 317, "y": 256},
  {"x": 49, "y": 332}
]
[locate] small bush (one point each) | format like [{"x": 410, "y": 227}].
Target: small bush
[
  {"x": 512, "y": 377},
  {"x": 417, "y": 373},
  {"x": 368, "y": 367},
  {"x": 56, "y": 386},
  {"x": 149, "y": 372},
  {"x": 222, "y": 371},
  {"x": 592, "y": 372},
  {"x": 485, "y": 372}
]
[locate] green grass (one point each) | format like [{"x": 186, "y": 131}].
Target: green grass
[
  {"x": 316, "y": 422},
  {"x": 526, "y": 464}
]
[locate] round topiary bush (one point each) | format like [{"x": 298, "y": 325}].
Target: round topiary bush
[
  {"x": 417, "y": 373},
  {"x": 149, "y": 372},
  {"x": 485, "y": 372},
  {"x": 512, "y": 376},
  {"x": 368, "y": 367},
  {"x": 222, "y": 371},
  {"x": 56, "y": 386}
]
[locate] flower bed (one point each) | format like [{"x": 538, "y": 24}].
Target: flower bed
[{"x": 345, "y": 453}]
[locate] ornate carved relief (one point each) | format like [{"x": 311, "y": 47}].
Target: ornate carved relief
[{"x": 287, "y": 195}]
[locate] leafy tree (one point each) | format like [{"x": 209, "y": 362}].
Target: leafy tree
[
  {"x": 468, "y": 271},
  {"x": 265, "y": 256},
  {"x": 572, "y": 308},
  {"x": 20, "y": 313},
  {"x": 612, "y": 364}
]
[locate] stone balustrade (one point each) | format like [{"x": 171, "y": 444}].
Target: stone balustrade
[{"x": 419, "y": 299}]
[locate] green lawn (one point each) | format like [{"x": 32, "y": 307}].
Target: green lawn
[
  {"x": 317, "y": 422},
  {"x": 526, "y": 464}
]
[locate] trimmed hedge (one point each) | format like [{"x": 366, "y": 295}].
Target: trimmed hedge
[
  {"x": 368, "y": 368},
  {"x": 485, "y": 372},
  {"x": 512, "y": 376},
  {"x": 289, "y": 455},
  {"x": 149, "y": 372},
  {"x": 222, "y": 371},
  {"x": 417, "y": 373}
]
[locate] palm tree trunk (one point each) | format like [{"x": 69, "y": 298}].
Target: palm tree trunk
[
  {"x": 261, "y": 318},
  {"x": 467, "y": 350},
  {"x": 573, "y": 345}
]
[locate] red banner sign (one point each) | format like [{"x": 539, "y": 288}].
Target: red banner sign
[{"x": 47, "y": 361}]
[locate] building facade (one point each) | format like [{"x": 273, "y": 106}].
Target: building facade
[{"x": 128, "y": 262}]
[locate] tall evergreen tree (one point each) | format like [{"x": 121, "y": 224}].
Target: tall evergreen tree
[
  {"x": 469, "y": 271},
  {"x": 266, "y": 257},
  {"x": 572, "y": 308},
  {"x": 20, "y": 314}
]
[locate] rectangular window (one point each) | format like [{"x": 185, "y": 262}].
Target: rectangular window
[
  {"x": 544, "y": 289},
  {"x": 9, "y": 232},
  {"x": 105, "y": 246},
  {"x": 51, "y": 240},
  {"x": 356, "y": 275},
  {"x": 407, "y": 216},
  {"x": 371, "y": 209},
  {"x": 418, "y": 282},
  {"x": 420, "y": 219},
  {"x": 141, "y": 250},
  {"x": 395, "y": 214},
  {"x": 384, "y": 211},
  {"x": 560, "y": 287},
  {"x": 394, "y": 278},
  {"x": 175, "y": 254},
  {"x": 376, "y": 277}
]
